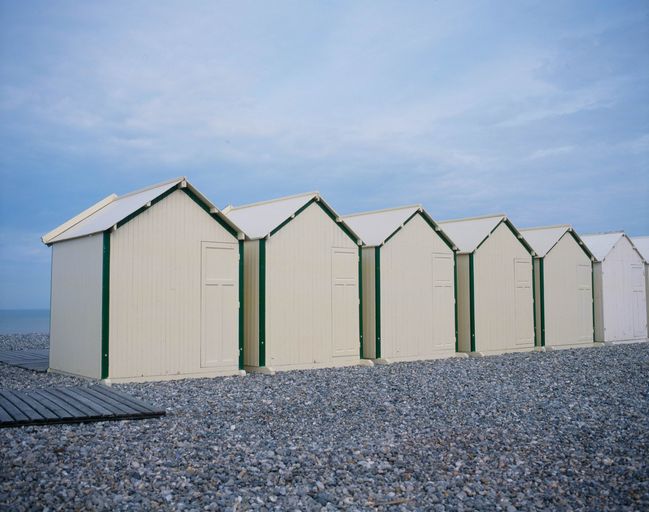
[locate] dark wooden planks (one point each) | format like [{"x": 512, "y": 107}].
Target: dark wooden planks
[
  {"x": 70, "y": 405},
  {"x": 33, "y": 359}
]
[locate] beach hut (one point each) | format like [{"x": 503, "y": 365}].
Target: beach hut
[
  {"x": 563, "y": 284},
  {"x": 494, "y": 285},
  {"x": 642, "y": 244},
  {"x": 146, "y": 286},
  {"x": 619, "y": 283},
  {"x": 302, "y": 290},
  {"x": 408, "y": 285}
]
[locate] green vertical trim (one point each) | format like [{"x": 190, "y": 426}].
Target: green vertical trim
[
  {"x": 592, "y": 292},
  {"x": 457, "y": 346},
  {"x": 262, "y": 302},
  {"x": 377, "y": 299},
  {"x": 542, "y": 299},
  {"x": 105, "y": 304},
  {"x": 360, "y": 300},
  {"x": 241, "y": 318},
  {"x": 534, "y": 299},
  {"x": 472, "y": 302}
]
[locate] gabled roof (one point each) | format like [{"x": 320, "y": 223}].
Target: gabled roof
[
  {"x": 265, "y": 218},
  {"x": 113, "y": 210},
  {"x": 601, "y": 244},
  {"x": 468, "y": 234},
  {"x": 543, "y": 239},
  {"x": 642, "y": 244},
  {"x": 377, "y": 227}
]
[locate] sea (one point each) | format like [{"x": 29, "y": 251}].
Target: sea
[{"x": 22, "y": 321}]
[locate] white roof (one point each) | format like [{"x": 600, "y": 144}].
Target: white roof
[
  {"x": 545, "y": 238},
  {"x": 257, "y": 220},
  {"x": 376, "y": 226},
  {"x": 642, "y": 244},
  {"x": 600, "y": 244},
  {"x": 468, "y": 234},
  {"x": 113, "y": 209}
]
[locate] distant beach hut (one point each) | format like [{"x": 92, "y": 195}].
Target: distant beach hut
[
  {"x": 302, "y": 290},
  {"x": 563, "y": 283},
  {"x": 146, "y": 286},
  {"x": 620, "y": 288},
  {"x": 494, "y": 285},
  {"x": 408, "y": 285}
]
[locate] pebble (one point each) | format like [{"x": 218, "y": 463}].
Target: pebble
[{"x": 564, "y": 430}]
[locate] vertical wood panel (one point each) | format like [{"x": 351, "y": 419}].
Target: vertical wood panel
[
  {"x": 568, "y": 295},
  {"x": 155, "y": 287},
  {"x": 76, "y": 305},
  {"x": 496, "y": 294},
  {"x": 417, "y": 294},
  {"x": 299, "y": 292}
]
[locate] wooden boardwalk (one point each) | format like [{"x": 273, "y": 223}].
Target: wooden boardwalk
[
  {"x": 70, "y": 405},
  {"x": 33, "y": 359}
]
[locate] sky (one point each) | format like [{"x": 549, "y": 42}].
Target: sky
[{"x": 536, "y": 109}]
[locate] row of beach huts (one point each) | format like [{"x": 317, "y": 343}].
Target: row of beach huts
[{"x": 160, "y": 284}]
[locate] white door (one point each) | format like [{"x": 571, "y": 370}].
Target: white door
[
  {"x": 638, "y": 304},
  {"x": 219, "y": 304},
  {"x": 585, "y": 293},
  {"x": 443, "y": 314},
  {"x": 345, "y": 302},
  {"x": 524, "y": 320}
]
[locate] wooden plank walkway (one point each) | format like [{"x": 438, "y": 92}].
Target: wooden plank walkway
[
  {"x": 70, "y": 405},
  {"x": 32, "y": 359}
]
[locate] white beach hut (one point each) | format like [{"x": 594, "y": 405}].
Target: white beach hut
[
  {"x": 563, "y": 284},
  {"x": 408, "y": 285},
  {"x": 147, "y": 286},
  {"x": 494, "y": 285},
  {"x": 642, "y": 244},
  {"x": 619, "y": 283},
  {"x": 302, "y": 290}
]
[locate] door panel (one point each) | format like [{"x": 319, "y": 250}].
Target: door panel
[
  {"x": 443, "y": 313},
  {"x": 523, "y": 305},
  {"x": 345, "y": 302},
  {"x": 219, "y": 304}
]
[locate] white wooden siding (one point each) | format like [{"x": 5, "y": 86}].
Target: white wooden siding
[
  {"x": 417, "y": 294},
  {"x": 76, "y": 308},
  {"x": 503, "y": 310},
  {"x": 624, "y": 296},
  {"x": 155, "y": 293},
  {"x": 568, "y": 295},
  {"x": 251, "y": 303},
  {"x": 299, "y": 293},
  {"x": 369, "y": 302},
  {"x": 599, "y": 301},
  {"x": 463, "y": 304}
]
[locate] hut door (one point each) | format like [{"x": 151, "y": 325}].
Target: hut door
[
  {"x": 639, "y": 298},
  {"x": 523, "y": 302},
  {"x": 219, "y": 304},
  {"x": 443, "y": 313},
  {"x": 584, "y": 284},
  {"x": 344, "y": 302}
]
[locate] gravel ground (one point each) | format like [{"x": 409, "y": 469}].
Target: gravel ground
[{"x": 564, "y": 430}]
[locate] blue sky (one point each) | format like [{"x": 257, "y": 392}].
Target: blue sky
[{"x": 538, "y": 109}]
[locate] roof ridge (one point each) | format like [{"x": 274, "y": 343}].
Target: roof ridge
[
  {"x": 231, "y": 207},
  {"x": 538, "y": 228},
  {"x": 480, "y": 217},
  {"x": 374, "y": 212},
  {"x": 139, "y": 191},
  {"x": 618, "y": 232}
]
